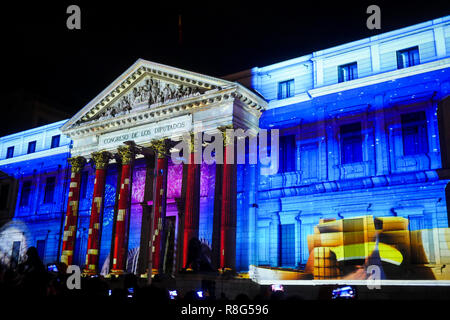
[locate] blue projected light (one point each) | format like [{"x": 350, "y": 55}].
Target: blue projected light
[{"x": 357, "y": 180}]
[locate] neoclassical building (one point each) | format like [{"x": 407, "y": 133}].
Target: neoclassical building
[{"x": 359, "y": 136}]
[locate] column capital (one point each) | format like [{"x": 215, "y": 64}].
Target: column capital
[
  {"x": 193, "y": 147},
  {"x": 101, "y": 159},
  {"x": 161, "y": 146},
  {"x": 77, "y": 163},
  {"x": 126, "y": 153},
  {"x": 227, "y": 139}
]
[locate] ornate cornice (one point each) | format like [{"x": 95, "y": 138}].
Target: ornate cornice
[
  {"x": 77, "y": 163},
  {"x": 155, "y": 72},
  {"x": 173, "y": 109},
  {"x": 212, "y": 91},
  {"x": 152, "y": 94},
  {"x": 126, "y": 154},
  {"x": 101, "y": 159}
]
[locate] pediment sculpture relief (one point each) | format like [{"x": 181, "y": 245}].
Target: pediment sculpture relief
[{"x": 151, "y": 91}]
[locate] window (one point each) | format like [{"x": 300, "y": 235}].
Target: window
[
  {"x": 287, "y": 244},
  {"x": 347, "y": 72},
  {"x": 351, "y": 143},
  {"x": 309, "y": 160},
  {"x": 10, "y": 152},
  {"x": 25, "y": 194},
  {"x": 49, "y": 189},
  {"x": 286, "y": 89},
  {"x": 40, "y": 246},
  {"x": 414, "y": 133},
  {"x": 55, "y": 141},
  {"x": 31, "y": 146},
  {"x": 287, "y": 153},
  {"x": 408, "y": 57}
]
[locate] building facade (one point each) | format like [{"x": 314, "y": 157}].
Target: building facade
[{"x": 358, "y": 137}]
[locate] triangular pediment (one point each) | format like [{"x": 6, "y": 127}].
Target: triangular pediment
[{"x": 145, "y": 85}]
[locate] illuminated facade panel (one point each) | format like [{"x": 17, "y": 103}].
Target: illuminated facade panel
[{"x": 359, "y": 174}]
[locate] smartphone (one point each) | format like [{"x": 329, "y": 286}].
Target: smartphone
[
  {"x": 173, "y": 294},
  {"x": 345, "y": 292},
  {"x": 130, "y": 292},
  {"x": 52, "y": 268},
  {"x": 200, "y": 294},
  {"x": 277, "y": 287}
]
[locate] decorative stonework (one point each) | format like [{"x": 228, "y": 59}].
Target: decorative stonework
[
  {"x": 151, "y": 91},
  {"x": 101, "y": 159},
  {"x": 193, "y": 147},
  {"x": 126, "y": 154},
  {"x": 77, "y": 163},
  {"x": 227, "y": 140},
  {"x": 161, "y": 146}
]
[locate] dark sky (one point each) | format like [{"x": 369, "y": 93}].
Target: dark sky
[{"x": 70, "y": 67}]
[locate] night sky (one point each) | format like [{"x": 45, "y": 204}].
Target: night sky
[{"x": 67, "y": 68}]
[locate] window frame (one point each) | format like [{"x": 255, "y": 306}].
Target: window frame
[
  {"x": 290, "y": 89},
  {"x": 21, "y": 200},
  {"x": 46, "y": 199},
  {"x": 31, "y": 147},
  {"x": 58, "y": 137},
  {"x": 287, "y": 245},
  {"x": 287, "y": 155},
  {"x": 348, "y": 67},
  {"x": 421, "y": 145},
  {"x": 400, "y": 54},
  {"x": 41, "y": 245},
  {"x": 346, "y": 137},
  {"x": 10, "y": 152}
]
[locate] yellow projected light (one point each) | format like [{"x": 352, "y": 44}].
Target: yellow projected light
[{"x": 363, "y": 250}]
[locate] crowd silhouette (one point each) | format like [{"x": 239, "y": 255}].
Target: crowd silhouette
[{"x": 31, "y": 279}]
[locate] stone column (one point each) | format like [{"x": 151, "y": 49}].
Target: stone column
[
  {"x": 192, "y": 201},
  {"x": 228, "y": 206},
  {"x": 146, "y": 214},
  {"x": 161, "y": 147},
  {"x": 70, "y": 224},
  {"x": 126, "y": 154},
  {"x": 101, "y": 160}
]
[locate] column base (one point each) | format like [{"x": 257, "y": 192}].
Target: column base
[
  {"x": 145, "y": 275},
  {"x": 116, "y": 272},
  {"x": 88, "y": 272}
]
